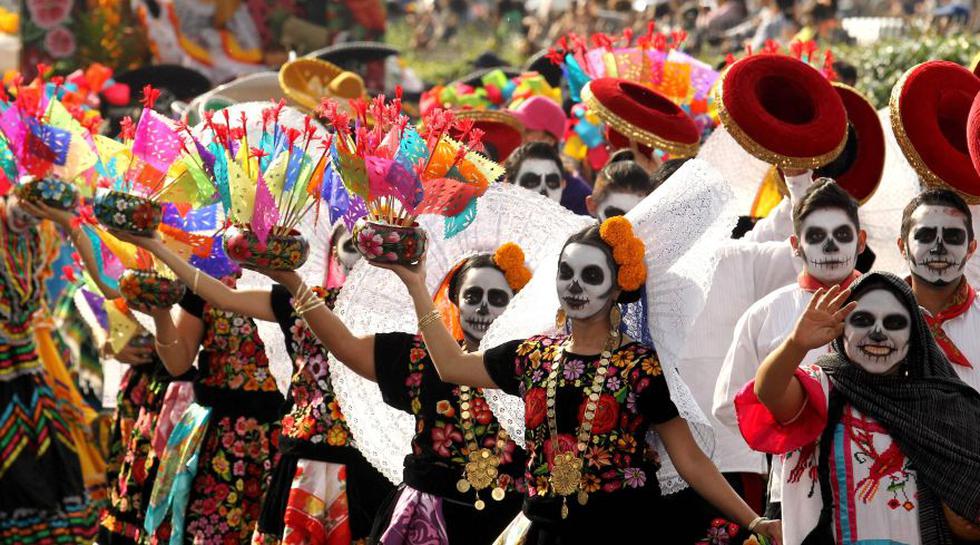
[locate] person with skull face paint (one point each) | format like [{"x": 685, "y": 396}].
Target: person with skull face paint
[
  {"x": 537, "y": 167},
  {"x": 316, "y": 454},
  {"x": 620, "y": 186},
  {"x": 590, "y": 398},
  {"x": 447, "y": 496},
  {"x": 937, "y": 241},
  {"x": 879, "y": 438},
  {"x": 828, "y": 238}
]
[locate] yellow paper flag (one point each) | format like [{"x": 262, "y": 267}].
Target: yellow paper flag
[
  {"x": 125, "y": 251},
  {"x": 275, "y": 175},
  {"x": 242, "y": 189},
  {"x": 121, "y": 327}
]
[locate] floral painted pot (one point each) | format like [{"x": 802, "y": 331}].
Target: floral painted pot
[
  {"x": 384, "y": 243},
  {"x": 150, "y": 289},
  {"x": 50, "y": 191},
  {"x": 131, "y": 213},
  {"x": 279, "y": 253}
]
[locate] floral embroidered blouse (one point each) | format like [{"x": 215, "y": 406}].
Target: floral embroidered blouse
[
  {"x": 634, "y": 397},
  {"x": 314, "y": 417},
  {"x": 874, "y": 486},
  {"x": 232, "y": 354},
  {"x": 409, "y": 382}
]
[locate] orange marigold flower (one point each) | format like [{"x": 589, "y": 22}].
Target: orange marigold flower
[
  {"x": 632, "y": 276},
  {"x": 510, "y": 258},
  {"x": 615, "y": 230}
]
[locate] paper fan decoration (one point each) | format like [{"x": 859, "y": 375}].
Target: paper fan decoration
[
  {"x": 374, "y": 301},
  {"x": 681, "y": 224}
]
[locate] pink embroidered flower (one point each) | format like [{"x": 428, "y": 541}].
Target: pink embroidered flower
[
  {"x": 634, "y": 477},
  {"x": 48, "y": 13},
  {"x": 443, "y": 439},
  {"x": 60, "y": 42}
]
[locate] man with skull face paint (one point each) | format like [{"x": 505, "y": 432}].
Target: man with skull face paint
[
  {"x": 537, "y": 167},
  {"x": 590, "y": 398},
  {"x": 455, "y": 429},
  {"x": 315, "y": 441},
  {"x": 937, "y": 241},
  {"x": 828, "y": 239},
  {"x": 879, "y": 437}
]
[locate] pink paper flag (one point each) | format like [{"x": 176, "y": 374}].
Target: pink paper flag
[
  {"x": 156, "y": 142},
  {"x": 264, "y": 212}
]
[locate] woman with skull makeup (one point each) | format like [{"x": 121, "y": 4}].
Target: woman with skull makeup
[
  {"x": 879, "y": 438},
  {"x": 537, "y": 167},
  {"x": 590, "y": 399},
  {"x": 317, "y": 458},
  {"x": 937, "y": 241},
  {"x": 463, "y": 480}
]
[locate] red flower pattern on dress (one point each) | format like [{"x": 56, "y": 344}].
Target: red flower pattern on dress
[{"x": 443, "y": 438}]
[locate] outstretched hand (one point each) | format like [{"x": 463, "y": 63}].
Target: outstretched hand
[
  {"x": 410, "y": 275},
  {"x": 823, "y": 319},
  {"x": 42, "y": 211},
  {"x": 144, "y": 242},
  {"x": 772, "y": 530}
]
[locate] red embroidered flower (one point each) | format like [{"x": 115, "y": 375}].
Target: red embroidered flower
[
  {"x": 565, "y": 442},
  {"x": 535, "y": 403},
  {"x": 481, "y": 411},
  {"x": 606, "y": 415},
  {"x": 443, "y": 439}
]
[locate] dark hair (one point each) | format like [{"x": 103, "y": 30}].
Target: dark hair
[
  {"x": 623, "y": 177},
  {"x": 531, "y": 150},
  {"x": 666, "y": 170},
  {"x": 824, "y": 193},
  {"x": 938, "y": 197},
  {"x": 844, "y": 160},
  {"x": 622, "y": 154},
  {"x": 846, "y": 72},
  {"x": 478, "y": 261},
  {"x": 590, "y": 236}
]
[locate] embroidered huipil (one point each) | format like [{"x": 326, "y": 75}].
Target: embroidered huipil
[{"x": 873, "y": 485}]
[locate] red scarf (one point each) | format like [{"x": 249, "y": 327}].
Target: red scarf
[
  {"x": 961, "y": 303},
  {"x": 809, "y": 283}
]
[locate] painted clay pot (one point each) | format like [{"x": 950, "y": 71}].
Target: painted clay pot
[
  {"x": 279, "y": 253},
  {"x": 124, "y": 212},
  {"x": 150, "y": 289},
  {"x": 384, "y": 243},
  {"x": 50, "y": 191}
]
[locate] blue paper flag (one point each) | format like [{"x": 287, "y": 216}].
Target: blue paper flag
[{"x": 454, "y": 225}]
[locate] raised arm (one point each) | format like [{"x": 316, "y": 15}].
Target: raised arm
[
  {"x": 778, "y": 224},
  {"x": 177, "y": 344},
  {"x": 452, "y": 363},
  {"x": 356, "y": 352},
  {"x": 698, "y": 470},
  {"x": 776, "y": 385},
  {"x": 251, "y": 303}
]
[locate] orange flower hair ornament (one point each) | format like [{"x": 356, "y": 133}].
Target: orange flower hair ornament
[
  {"x": 510, "y": 258},
  {"x": 627, "y": 252}
]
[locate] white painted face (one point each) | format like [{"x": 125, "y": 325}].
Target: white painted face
[
  {"x": 937, "y": 247},
  {"x": 483, "y": 296},
  {"x": 617, "y": 203},
  {"x": 18, "y": 219},
  {"x": 542, "y": 176},
  {"x": 829, "y": 243},
  {"x": 347, "y": 256},
  {"x": 877, "y": 332},
  {"x": 585, "y": 280}
]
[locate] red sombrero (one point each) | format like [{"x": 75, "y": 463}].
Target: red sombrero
[
  {"x": 782, "y": 111},
  {"x": 502, "y": 130},
  {"x": 973, "y": 133},
  {"x": 654, "y": 120},
  {"x": 859, "y": 166},
  {"x": 929, "y": 108}
]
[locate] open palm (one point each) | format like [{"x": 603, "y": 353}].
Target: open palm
[{"x": 823, "y": 319}]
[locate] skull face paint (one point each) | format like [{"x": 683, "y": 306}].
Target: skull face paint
[
  {"x": 877, "y": 332},
  {"x": 18, "y": 219},
  {"x": 617, "y": 204},
  {"x": 585, "y": 280},
  {"x": 483, "y": 296},
  {"x": 542, "y": 176},
  {"x": 937, "y": 248},
  {"x": 346, "y": 254},
  {"x": 829, "y": 245}
]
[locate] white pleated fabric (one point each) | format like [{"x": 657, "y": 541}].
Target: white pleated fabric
[
  {"x": 373, "y": 300},
  {"x": 682, "y": 223}
]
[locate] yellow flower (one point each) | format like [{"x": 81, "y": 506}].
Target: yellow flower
[
  {"x": 651, "y": 366},
  {"x": 220, "y": 464},
  {"x": 337, "y": 436}
]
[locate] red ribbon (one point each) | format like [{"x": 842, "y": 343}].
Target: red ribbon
[
  {"x": 961, "y": 303},
  {"x": 809, "y": 283}
]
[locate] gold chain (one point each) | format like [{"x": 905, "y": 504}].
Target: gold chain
[
  {"x": 481, "y": 469},
  {"x": 566, "y": 472}
]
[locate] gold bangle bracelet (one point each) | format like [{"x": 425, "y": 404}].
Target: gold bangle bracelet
[
  {"x": 167, "y": 345},
  {"x": 429, "y": 318},
  {"x": 307, "y": 308}
]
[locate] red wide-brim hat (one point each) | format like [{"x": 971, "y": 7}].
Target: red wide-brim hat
[
  {"x": 782, "y": 111},
  {"x": 502, "y": 130},
  {"x": 929, "y": 108},
  {"x": 634, "y": 112},
  {"x": 858, "y": 169},
  {"x": 973, "y": 133}
]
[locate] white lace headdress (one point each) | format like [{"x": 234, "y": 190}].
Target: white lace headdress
[
  {"x": 682, "y": 224},
  {"x": 373, "y": 300}
]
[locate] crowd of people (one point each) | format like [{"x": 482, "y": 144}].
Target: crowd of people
[{"x": 616, "y": 295}]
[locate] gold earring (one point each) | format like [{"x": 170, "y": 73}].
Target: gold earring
[
  {"x": 615, "y": 318},
  {"x": 560, "y": 319}
]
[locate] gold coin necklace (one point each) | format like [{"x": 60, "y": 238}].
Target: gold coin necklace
[
  {"x": 566, "y": 471},
  {"x": 481, "y": 469}
]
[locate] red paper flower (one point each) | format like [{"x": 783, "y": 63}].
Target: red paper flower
[{"x": 150, "y": 96}]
